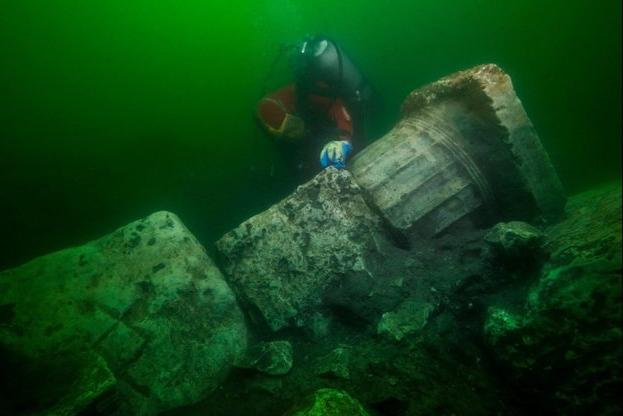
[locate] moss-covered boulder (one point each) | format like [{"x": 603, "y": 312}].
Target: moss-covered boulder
[
  {"x": 564, "y": 350},
  {"x": 331, "y": 402},
  {"x": 136, "y": 322}
]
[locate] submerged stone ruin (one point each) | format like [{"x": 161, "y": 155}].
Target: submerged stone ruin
[
  {"x": 136, "y": 322},
  {"x": 464, "y": 148},
  {"x": 441, "y": 274}
]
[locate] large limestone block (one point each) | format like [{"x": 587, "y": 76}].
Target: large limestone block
[
  {"x": 146, "y": 301},
  {"x": 281, "y": 261},
  {"x": 464, "y": 147}
]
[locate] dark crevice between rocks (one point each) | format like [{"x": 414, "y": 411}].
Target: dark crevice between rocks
[
  {"x": 7, "y": 314},
  {"x": 391, "y": 407},
  {"x": 109, "y": 403},
  {"x": 348, "y": 317},
  {"x": 29, "y": 386}
]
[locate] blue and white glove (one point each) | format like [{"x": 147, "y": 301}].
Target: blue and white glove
[{"x": 335, "y": 154}]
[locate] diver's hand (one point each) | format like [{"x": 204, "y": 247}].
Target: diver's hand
[{"x": 335, "y": 154}]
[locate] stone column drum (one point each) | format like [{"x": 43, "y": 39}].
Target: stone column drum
[{"x": 463, "y": 148}]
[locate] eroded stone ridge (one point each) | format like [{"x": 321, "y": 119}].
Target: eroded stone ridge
[{"x": 146, "y": 301}]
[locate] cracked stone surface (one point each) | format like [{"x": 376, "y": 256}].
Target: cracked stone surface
[
  {"x": 281, "y": 261},
  {"x": 148, "y": 305}
]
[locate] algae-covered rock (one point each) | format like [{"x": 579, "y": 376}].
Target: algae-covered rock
[
  {"x": 273, "y": 358},
  {"x": 335, "y": 364},
  {"x": 499, "y": 323},
  {"x": 408, "y": 318},
  {"x": 592, "y": 227},
  {"x": 146, "y": 301},
  {"x": 317, "y": 326},
  {"x": 331, "y": 402},
  {"x": 566, "y": 347},
  {"x": 514, "y": 239},
  {"x": 281, "y": 261},
  {"x": 517, "y": 246},
  {"x": 568, "y": 344}
]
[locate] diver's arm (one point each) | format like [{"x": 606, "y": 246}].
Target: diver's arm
[
  {"x": 343, "y": 121},
  {"x": 277, "y": 113}
]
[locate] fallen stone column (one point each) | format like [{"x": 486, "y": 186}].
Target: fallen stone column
[
  {"x": 136, "y": 322},
  {"x": 463, "y": 148}
]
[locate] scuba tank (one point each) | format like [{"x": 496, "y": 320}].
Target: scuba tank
[{"x": 319, "y": 60}]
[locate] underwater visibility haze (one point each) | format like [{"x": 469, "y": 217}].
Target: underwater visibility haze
[
  {"x": 111, "y": 111},
  {"x": 466, "y": 261}
]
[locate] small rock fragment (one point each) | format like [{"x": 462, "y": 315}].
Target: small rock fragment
[
  {"x": 273, "y": 358},
  {"x": 408, "y": 318},
  {"x": 335, "y": 364},
  {"x": 317, "y": 326},
  {"x": 331, "y": 402},
  {"x": 268, "y": 384},
  {"x": 515, "y": 239}
]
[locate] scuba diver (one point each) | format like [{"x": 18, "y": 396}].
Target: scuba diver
[{"x": 323, "y": 112}]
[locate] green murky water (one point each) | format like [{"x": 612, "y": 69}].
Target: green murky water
[{"x": 112, "y": 110}]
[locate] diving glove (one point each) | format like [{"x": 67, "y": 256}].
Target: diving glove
[{"x": 335, "y": 154}]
